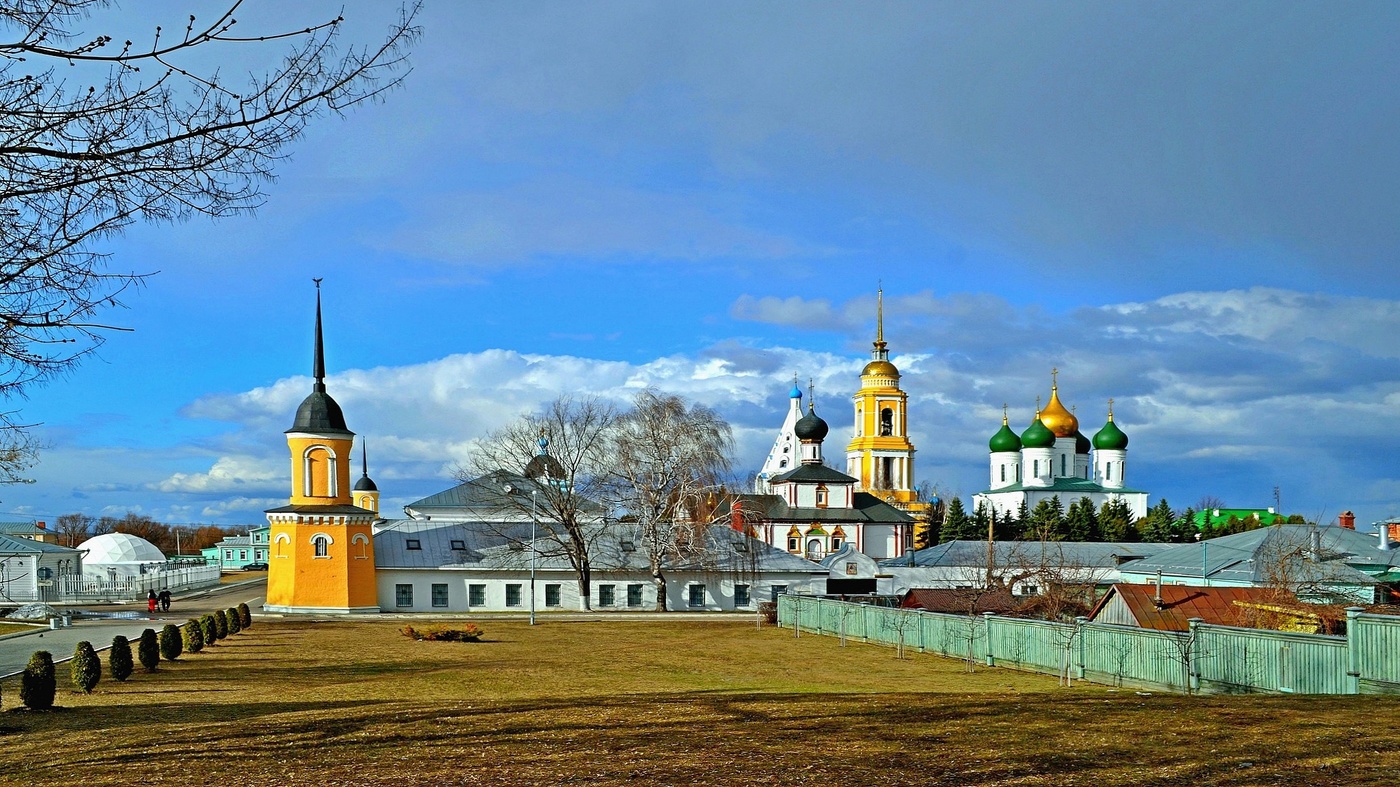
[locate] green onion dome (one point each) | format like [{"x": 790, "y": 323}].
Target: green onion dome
[
  {"x": 1110, "y": 437},
  {"x": 1038, "y": 436},
  {"x": 1004, "y": 440}
]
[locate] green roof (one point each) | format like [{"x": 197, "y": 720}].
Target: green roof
[
  {"x": 1264, "y": 515},
  {"x": 1110, "y": 437},
  {"x": 1004, "y": 440},
  {"x": 1038, "y": 436},
  {"x": 1063, "y": 484}
]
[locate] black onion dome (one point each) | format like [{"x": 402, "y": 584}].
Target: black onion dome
[
  {"x": 365, "y": 485},
  {"x": 319, "y": 414},
  {"x": 544, "y": 466},
  {"x": 810, "y": 427}
]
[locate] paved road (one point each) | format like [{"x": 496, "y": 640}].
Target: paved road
[{"x": 15, "y": 651}]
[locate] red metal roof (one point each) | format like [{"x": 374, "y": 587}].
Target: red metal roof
[
  {"x": 960, "y": 601},
  {"x": 1180, "y": 603}
]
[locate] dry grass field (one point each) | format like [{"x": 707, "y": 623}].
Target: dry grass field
[{"x": 660, "y": 703}]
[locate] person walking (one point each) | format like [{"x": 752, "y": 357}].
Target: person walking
[
  {"x": 164, "y": 599},
  {"x": 151, "y": 601}
]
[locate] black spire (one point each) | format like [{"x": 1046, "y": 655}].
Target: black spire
[
  {"x": 318, "y": 366},
  {"x": 365, "y": 484}
]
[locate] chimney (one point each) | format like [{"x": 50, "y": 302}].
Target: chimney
[
  {"x": 736, "y": 517},
  {"x": 1314, "y": 545},
  {"x": 1158, "y": 602},
  {"x": 1385, "y": 537},
  {"x": 1347, "y": 520},
  {"x": 42, "y": 525}
]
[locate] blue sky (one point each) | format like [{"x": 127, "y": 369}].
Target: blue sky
[{"x": 1190, "y": 208}]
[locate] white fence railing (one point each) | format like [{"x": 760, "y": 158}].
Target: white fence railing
[{"x": 75, "y": 587}]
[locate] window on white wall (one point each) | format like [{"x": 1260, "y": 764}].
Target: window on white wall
[
  {"x": 741, "y": 595},
  {"x": 439, "y": 595},
  {"x": 403, "y": 595},
  {"x": 512, "y": 595},
  {"x": 634, "y": 595},
  {"x": 697, "y": 595},
  {"x": 605, "y": 596},
  {"x": 476, "y": 595},
  {"x": 551, "y": 595}
]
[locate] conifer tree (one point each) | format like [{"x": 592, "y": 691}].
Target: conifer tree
[
  {"x": 193, "y": 635},
  {"x": 955, "y": 522},
  {"x": 85, "y": 670},
  {"x": 234, "y": 624},
  {"x": 245, "y": 615},
  {"x": 148, "y": 650},
  {"x": 1116, "y": 522},
  {"x": 220, "y": 624},
  {"x": 171, "y": 646},
  {"x": 37, "y": 685},
  {"x": 210, "y": 628},
  {"x": 1081, "y": 523},
  {"x": 119, "y": 658}
]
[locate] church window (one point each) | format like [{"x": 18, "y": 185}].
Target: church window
[
  {"x": 1036, "y": 468},
  {"x": 1003, "y": 474},
  {"x": 794, "y": 544},
  {"x": 362, "y": 541},
  {"x": 835, "y": 543},
  {"x": 1108, "y": 472},
  {"x": 697, "y": 595},
  {"x": 886, "y": 479},
  {"x": 512, "y": 595},
  {"x": 403, "y": 595},
  {"x": 318, "y": 472},
  {"x": 886, "y": 422},
  {"x": 551, "y": 596},
  {"x": 1063, "y": 471},
  {"x": 439, "y": 595},
  {"x": 814, "y": 549},
  {"x": 322, "y": 545},
  {"x": 741, "y": 596},
  {"x": 821, "y": 497}
]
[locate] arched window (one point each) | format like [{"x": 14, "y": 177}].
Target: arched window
[
  {"x": 821, "y": 496},
  {"x": 322, "y": 544},
  {"x": 886, "y": 422},
  {"x": 1063, "y": 459},
  {"x": 319, "y": 472},
  {"x": 282, "y": 538},
  {"x": 814, "y": 548},
  {"x": 363, "y": 542},
  {"x": 1003, "y": 474}
]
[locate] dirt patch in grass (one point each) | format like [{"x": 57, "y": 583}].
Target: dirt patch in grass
[{"x": 662, "y": 703}]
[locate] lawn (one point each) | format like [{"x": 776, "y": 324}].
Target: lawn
[
  {"x": 685, "y": 703},
  {"x": 15, "y": 628}
]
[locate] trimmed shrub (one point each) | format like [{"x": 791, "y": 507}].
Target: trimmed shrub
[
  {"x": 36, "y": 685},
  {"x": 467, "y": 633},
  {"x": 171, "y": 645},
  {"x": 220, "y": 624},
  {"x": 245, "y": 616},
  {"x": 193, "y": 634},
  {"x": 209, "y": 629},
  {"x": 148, "y": 650},
  {"x": 234, "y": 624},
  {"x": 84, "y": 670},
  {"x": 119, "y": 658}
]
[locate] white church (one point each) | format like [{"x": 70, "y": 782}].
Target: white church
[{"x": 1052, "y": 458}]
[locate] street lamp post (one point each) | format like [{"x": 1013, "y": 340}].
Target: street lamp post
[{"x": 534, "y": 524}]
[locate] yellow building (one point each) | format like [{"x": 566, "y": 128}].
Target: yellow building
[
  {"x": 880, "y": 455},
  {"x": 321, "y": 547}
]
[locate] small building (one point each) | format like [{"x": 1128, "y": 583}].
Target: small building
[
  {"x": 29, "y": 568},
  {"x": 119, "y": 555},
  {"x": 232, "y": 553},
  {"x": 30, "y": 529},
  {"x": 962, "y": 601},
  {"x": 1171, "y": 607},
  {"x": 852, "y": 572}
]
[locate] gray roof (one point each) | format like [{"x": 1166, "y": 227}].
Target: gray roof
[
  {"x": 10, "y": 545},
  {"x": 486, "y": 496},
  {"x": 813, "y": 473},
  {"x": 25, "y": 528},
  {"x": 494, "y": 546},
  {"x": 1088, "y": 554},
  {"x": 1066, "y": 485},
  {"x": 235, "y": 541},
  {"x": 1261, "y": 555},
  {"x": 866, "y": 508}
]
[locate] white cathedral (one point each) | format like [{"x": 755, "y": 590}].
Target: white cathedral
[{"x": 1052, "y": 458}]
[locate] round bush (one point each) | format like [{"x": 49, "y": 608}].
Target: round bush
[
  {"x": 84, "y": 670},
  {"x": 193, "y": 635},
  {"x": 220, "y": 624},
  {"x": 36, "y": 685},
  {"x": 148, "y": 650},
  {"x": 234, "y": 624},
  {"x": 210, "y": 629},
  {"x": 171, "y": 646},
  {"x": 119, "y": 658},
  {"x": 245, "y": 616}
]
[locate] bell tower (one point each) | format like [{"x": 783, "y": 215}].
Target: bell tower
[{"x": 321, "y": 545}]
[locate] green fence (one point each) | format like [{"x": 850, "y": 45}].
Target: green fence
[{"x": 1206, "y": 658}]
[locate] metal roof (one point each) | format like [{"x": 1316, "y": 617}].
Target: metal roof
[
  {"x": 1081, "y": 486},
  {"x": 485, "y": 497},
  {"x": 813, "y": 474},
  {"x": 1180, "y": 603},
  {"x": 1252, "y": 556},
  {"x": 866, "y": 508},
  {"x": 10, "y": 545},
  {"x": 1087, "y": 554}
]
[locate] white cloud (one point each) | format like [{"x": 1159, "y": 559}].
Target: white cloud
[{"x": 228, "y": 474}]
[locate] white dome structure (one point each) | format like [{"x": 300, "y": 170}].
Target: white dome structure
[{"x": 119, "y": 553}]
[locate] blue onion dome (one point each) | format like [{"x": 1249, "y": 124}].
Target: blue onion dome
[
  {"x": 1110, "y": 437},
  {"x": 795, "y": 393},
  {"x": 1081, "y": 443},
  {"x": 1038, "y": 436},
  {"x": 1005, "y": 440},
  {"x": 543, "y": 442},
  {"x": 810, "y": 426}
]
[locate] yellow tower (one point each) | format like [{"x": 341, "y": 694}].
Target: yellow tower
[
  {"x": 880, "y": 455},
  {"x": 321, "y": 548},
  {"x": 365, "y": 494}
]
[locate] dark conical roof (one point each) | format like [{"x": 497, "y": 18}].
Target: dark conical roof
[
  {"x": 365, "y": 484},
  {"x": 318, "y": 412},
  {"x": 810, "y": 426},
  {"x": 544, "y": 466}
]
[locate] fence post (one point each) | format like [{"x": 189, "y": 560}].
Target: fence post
[
  {"x": 1079, "y": 622},
  {"x": 1353, "y": 650},
  {"x": 864, "y": 622},
  {"x": 1193, "y": 656},
  {"x": 919, "y": 621},
  {"x": 987, "y": 632},
  {"x": 820, "y": 603}
]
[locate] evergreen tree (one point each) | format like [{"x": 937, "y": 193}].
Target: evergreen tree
[
  {"x": 1159, "y": 524},
  {"x": 193, "y": 635},
  {"x": 220, "y": 624},
  {"x": 209, "y": 627},
  {"x": 37, "y": 685},
  {"x": 1081, "y": 523},
  {"x": 171, "y": 646},
  {"x": 1021, "y": 524},
  {"x": 1185, "y": 530},
  {"x": 148, "y": 650},
  {"x": 119, "y": 658},
  {"x": 1046, "y": 521},
  {"x": 245, "y": 616},
  {"x": 234, "y": 624},
  {"x": 955, "y": 522},
  {"x": 1116, "y": 522},
  {"x": 981, "y": 521},
  {"x": 85, "y": 670}
]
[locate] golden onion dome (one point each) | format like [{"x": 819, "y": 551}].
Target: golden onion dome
[
  {"x": 1056, "y": 418},
  {"x": 880, "y": 369}
]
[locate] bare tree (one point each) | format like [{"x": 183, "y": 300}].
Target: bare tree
[
  {"x": 96, "y": 135},
  {"x": 564, "y": 453},
  {"x": 73, "y": 529},
  {"x": 668, "y": 459}
]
